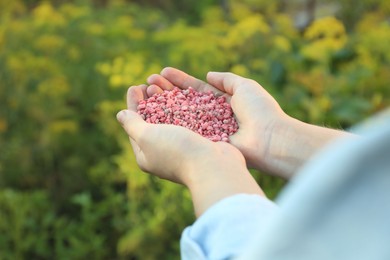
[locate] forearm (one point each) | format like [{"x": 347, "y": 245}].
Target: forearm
[{"x": 294, "y": 142}]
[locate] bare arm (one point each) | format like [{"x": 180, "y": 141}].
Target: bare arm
[
  {"x": 293, "y": 143},
  {"x": 269, "y": 139},
  {"x": 211, "y": 171}
]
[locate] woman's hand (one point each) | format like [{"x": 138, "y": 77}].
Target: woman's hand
[
  {"x": 256, "y": 111},
  {"x": 268, "y": 138},
  {"x": 211, "y": 170}
]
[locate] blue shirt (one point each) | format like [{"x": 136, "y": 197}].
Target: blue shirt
[{"x": 337, "y": 207}]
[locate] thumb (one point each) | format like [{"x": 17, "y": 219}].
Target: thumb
[
  {"x": 225, "y": 81},
  {"x": 132, "y": 122}
]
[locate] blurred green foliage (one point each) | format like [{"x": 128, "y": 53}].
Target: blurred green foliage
[{"x": 69, "y": 184}]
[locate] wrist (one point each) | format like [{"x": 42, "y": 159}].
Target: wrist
[
  {"x": 212, "y": 163},
  {"x": 219, "y": 176},
  {"x": 283, "y": 143},
  {"x": 291, "y": 143},
  {"x": 219, "y": 184},
  {"x": 264, "y": 151}
]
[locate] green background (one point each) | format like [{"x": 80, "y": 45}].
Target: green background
[{"x": 69, "y": 184}]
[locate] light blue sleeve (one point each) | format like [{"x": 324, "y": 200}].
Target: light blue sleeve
[
  {"x": 337, "y": 208},
  {"x": 224, "y": 230}
]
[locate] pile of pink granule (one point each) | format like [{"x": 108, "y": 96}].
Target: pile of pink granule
[{"x": 204, "y": 113}]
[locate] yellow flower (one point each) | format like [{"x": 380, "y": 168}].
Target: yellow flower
[
  {"x": 245, "y": 29},
  {"x": 328, "y": 27},
  {"x": 136, "y": 34},
  {"x": 49, "y": 43},
  {"x": 124, "y": 22},
  {"x": 104, "y": 68},
  {"x": 116, "y": 80},
  {"x": 314, "y": 82},
  {"x": 15, "y": 64},
  {"x": 127, "y": 70},
  {"x": 282, "y": 43},
  {"x": 213, "y": 18},
  {"x": 376, "y": 42},
  {"x": 385, "y": 6},
  {"x": 284, "y": 25},
  {"x": 239, "y": 11},
  {"x": 369, "y": 22},
  {"x": 324, "y": 102},
  {"x": 54, "y": 87},
  {"x": 73, "y": 11},
  {"x": 324, "y": 36},
  {"x": 365, "y": 58},
  {"x": 241, "y": 70},
  {"x": 117, "y": 65},
  {"x": 258, "y": 64},
  {"x": 94, "y": 29},
  {"x": 45, "y": 14}
]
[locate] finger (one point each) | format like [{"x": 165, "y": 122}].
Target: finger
[
  {"x": 133, "y": 124},
  {"x": 232, "y": 84},
  {"x": 225, "y": 81},
  {"x": 183, "y": 81},
  {"x": 160, "y": 81},
  {"x": 153, "y": 89},
  {"x": 134, "y": 95}
]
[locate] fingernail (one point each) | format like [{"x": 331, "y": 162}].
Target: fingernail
[
  {"x": 121, "y": 116},
  {"x": 210, "y": 73}
]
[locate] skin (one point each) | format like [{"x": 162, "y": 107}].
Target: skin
[
  {"x": 211, "y": 171},
  {"x": 267, "y": 139}
]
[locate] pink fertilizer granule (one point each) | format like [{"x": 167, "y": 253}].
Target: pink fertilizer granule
[{"x": 204, "y": 113}]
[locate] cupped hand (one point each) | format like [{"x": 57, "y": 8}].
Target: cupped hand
[
  {"x": 173, "y": 152},
  {"x": 211, "y": 170},
  {"x": 256, "y": 111}
]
